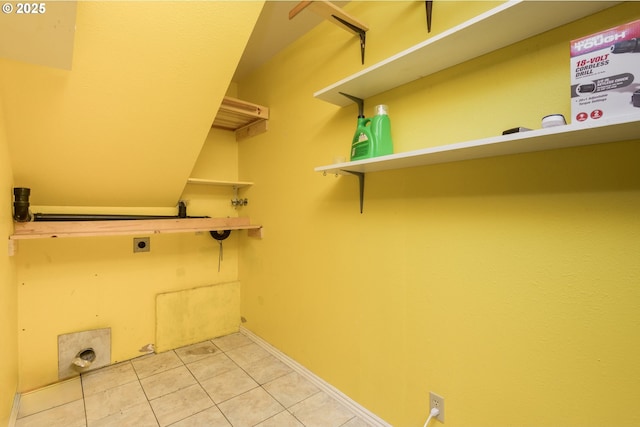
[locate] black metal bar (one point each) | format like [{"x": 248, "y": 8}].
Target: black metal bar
[
  {"x": 22, "y": 213},
  {"x": 101, "y": 217}
]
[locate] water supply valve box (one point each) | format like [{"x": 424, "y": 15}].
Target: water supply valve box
[{"x": 605, "y": 74}]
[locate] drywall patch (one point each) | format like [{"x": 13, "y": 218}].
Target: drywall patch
[
  {"x": 75, "y": 345},
  {"x": 194, "y": 315}
]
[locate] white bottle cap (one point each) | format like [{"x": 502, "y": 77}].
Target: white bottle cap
[{"x": 382, "y": 110}]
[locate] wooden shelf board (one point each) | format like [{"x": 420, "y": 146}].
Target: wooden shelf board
[
  {"x": 328, "y": 10},
  {"x": 250, "y": 130},
  {"x": 58, "y": 229},
  {"x": 202, "y": 181},
  {"x": 612, "y": 130},
  {"x": 234, "y": 114},
  {"x": 516, "y": 21}
]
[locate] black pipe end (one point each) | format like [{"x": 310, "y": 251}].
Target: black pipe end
[
  {"x": 21, "y": 211},
  {"x": 21, "y": 193}
]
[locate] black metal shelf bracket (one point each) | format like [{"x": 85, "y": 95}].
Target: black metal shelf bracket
[
  {"x": 360, "y": 176},
  {"x": 359, "y": 31}
]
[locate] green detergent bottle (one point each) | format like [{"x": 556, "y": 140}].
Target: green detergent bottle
[
  {"x": 363, "y": 141},
  {"x": 373, "y": 136},
  {"x": 381, "y": 131}
]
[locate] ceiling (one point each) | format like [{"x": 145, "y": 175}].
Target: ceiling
[{"x": 273, "y": 32}]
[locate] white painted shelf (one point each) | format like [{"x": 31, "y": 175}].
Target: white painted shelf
[
  {"x": 236, "y": 185},
  {"x": 574, "y": 135},
  {"x": 499, "y": 27}
]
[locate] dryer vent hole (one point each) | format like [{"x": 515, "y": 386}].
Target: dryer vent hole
[{"x": 87, "y": 354}]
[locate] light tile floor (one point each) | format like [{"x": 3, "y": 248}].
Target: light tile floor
[{"x": 228, "y": 381}]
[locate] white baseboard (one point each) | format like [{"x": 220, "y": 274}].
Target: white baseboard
[
  {"x": 14, "y": 411},
  {"x": 363, "y": 413}
]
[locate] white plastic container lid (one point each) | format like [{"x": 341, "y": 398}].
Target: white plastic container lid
[{"x": 553, "y": 120}]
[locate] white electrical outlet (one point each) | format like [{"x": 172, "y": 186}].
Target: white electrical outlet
[{"x": 436, "y": 401}]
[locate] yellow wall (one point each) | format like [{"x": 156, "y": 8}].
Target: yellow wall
[
  {"x": 507, "y": 285},
  {"x": 77, "y": 284},
  {"x": 8, "y": 295},
  {"x": 71, "y": 285}
]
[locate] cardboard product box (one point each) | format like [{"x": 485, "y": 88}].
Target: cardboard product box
[{"x": 605, "y": 74}]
